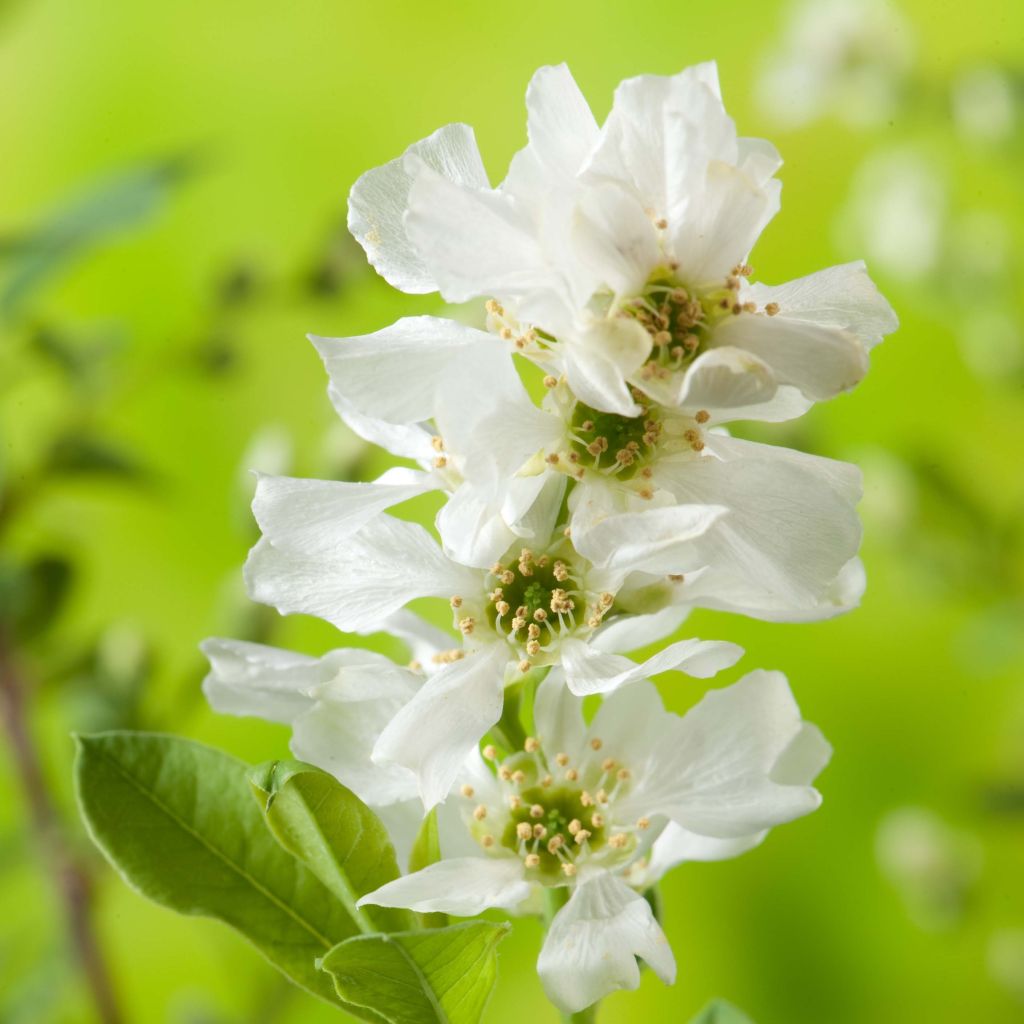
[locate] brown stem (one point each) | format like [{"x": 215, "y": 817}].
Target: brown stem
[{"x": 72, "y": 881}]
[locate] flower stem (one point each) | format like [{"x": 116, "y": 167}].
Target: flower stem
[{"x": 586, "y": 1016}]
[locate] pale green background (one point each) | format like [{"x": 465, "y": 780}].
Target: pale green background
[{"x": 921, "y": 691}]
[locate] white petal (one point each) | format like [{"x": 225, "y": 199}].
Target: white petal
[
  {"x": 821, "y": 361},
  {"x": 657, "y": 540},
  {"x": 792, "y": 527},
  {"x": 615, "y": 239},
  {"x": 590, "y": 671},
  {"x": 800, "y": 763},
  {"x": 253, "y": 679},
  {"x": 593, "y": 942},
  {"x": 470, "y": 527},
  {"x": 395, "y": 374},
  {"x": 354, "y": 581},
  {"x": 628, "y": 632},
  {"x": 842, "y": 296},
  {"x": 722, "y": 223},
  {"x": 314, "y": 513},
  {"x": 712, "y": 773},
  {"x": 379, "y": 199},
  {"x": 560, "y": 125},
  {"x": 628, "y": 723},
  {"x": 601, "y": 359},
  {"x": 475, "y": 242},
  {"x": 422, "y": 639},
  {"x": 435, "y": 732},
  {"x": 676, "y": 845},
  {"x": 726, "y": 378},
  {"x": 558, "y": 715},
  {"x": 464, "y": 886},
  {"x": 408, "y": 441}
]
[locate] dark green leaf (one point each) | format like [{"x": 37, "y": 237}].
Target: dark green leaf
[
  {"x": 315, "y": 818},
  {"x": 718, "y": 1011},
  {"x": 443, "y": 976},
  {"x": 75, "y": 454},
  {"x": 178, "y": 821},
  {"x": 32, "y": 595}
]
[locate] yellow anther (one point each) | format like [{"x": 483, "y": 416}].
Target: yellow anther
[
  {"x": 524, "y": 666},
  {"x": 675, "y": 577},
  {"x": 440, "y": 462},
  {"x": 602, "y": 796},
  {"x": 569, "y": 870},
  {"x": 480, "y": 812},
  {"x": 533, "y": 648},
  {"x": 550, "y": 382},
  {"x": 536, "y": 811},
  {"x": 771, "y": 308},
  {"x": 532, "y": 860},
  {"x": 531, "y": 746},
  {"x": 623, "y": 774},
  {"x": 586, "y": 799},
  {"x": 524, "y": 830},
  {"x": 489, "y": 752},
  {"x": 643, "y": 823},
  {"x": 581, "y": 836},
  {"x": 539, "y": 832},
  {"x": 540, "y": 615},
  {"x": 467, "y": 625},
  {"x": 507, "y": 576},
  {"x": 561, "y": 760},
  {"x": 618, "y": 841},
  {"x": 515, "y": 802},
  {"x": 501, "y": 607},
  {"x": 504, "y": 773},
  {"x": 596, "y": 744},
  {"x": 574, "y": 826},
  {"x": 487, "y": 841},
  {"x": 555, "y": 843},
  {"x": 467, "y": 789},
  {"x": 519, "y": 777},
  {"x": 597, "y": 820},
  {"x": 415, "y": 666},
  {"x": 546, "y": 781},
  {"x": 455, "y": 601},
  {"x": 571, "y": 775},
  {"x": 608, "y": 764}
]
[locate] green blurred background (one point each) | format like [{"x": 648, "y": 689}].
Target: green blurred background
[{"x": 172, "y": 203}]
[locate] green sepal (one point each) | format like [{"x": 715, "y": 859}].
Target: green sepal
[
  {"x": 441, "y": 976},
  {"x": 426, "y": 850}
]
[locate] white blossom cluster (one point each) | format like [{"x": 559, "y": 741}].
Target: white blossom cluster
[{"x": 592, "y": 496}]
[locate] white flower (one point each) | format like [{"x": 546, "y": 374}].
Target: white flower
[
  {"x": 536, "y": 608},
  {"x": 617, "y": 255},
  {"x": 752, "y": 528},
  {"x": 581, "y": 811}
]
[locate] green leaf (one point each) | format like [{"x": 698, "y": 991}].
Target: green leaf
[
  {"x": 426, "y": 850},
  {"x": 32, "y": 595},
  {"x": 315, "y": 818},
  {"x": 443, "y": 976},
  {"x": 111, "y": 206},
  {"x": 718, "y": 1011},
  {"x": 178, "y": 821}
]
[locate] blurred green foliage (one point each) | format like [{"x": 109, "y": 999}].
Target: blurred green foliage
[{"x": 172, "y": 225}]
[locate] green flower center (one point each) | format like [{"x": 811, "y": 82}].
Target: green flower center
[{"x": 615, "y": 444}]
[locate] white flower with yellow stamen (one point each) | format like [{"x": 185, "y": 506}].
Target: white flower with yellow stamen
[
  {"x": 617, "y": 255},
  {"x": 535, "y": 608},
  {"x": 781, "y": 527},
  {"x": 594, "y": 813}
]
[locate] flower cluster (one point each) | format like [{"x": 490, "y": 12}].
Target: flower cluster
[{"x": 592, "y": 496}]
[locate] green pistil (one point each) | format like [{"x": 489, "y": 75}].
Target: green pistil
[
  {"x": 561, "y": 807},
  {"x": 619, "y": 444}
]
